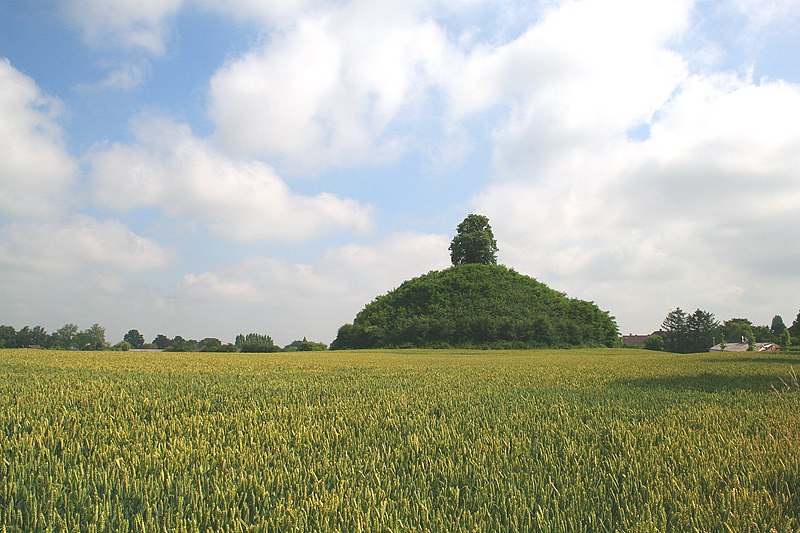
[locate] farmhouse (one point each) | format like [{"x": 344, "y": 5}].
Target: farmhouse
[
  {"x": 633, "y": 341},
  {"x": 743, "y": 347}
]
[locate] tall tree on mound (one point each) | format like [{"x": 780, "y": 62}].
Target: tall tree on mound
[
  {"x": 474, "y": 242},
  {"x": 476, "y": 303}
]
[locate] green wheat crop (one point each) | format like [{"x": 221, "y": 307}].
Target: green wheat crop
[{"x": 589, "y": 440}]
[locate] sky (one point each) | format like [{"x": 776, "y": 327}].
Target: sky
[{"x": 203, "y": 168}]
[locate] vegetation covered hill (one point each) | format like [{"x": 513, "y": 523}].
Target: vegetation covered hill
[{"x": 477, "y": 305}]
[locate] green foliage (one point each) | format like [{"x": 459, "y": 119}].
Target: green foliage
[
  {"x": 65, "y": 338},
  {"x": 92, "y": 338},
  {"x": 654, "y": 342},
  {"x": 35, "y": 336},
  {"x": 590, "y": 440},
  {"x": 256, "y": 343},
  {"x": 675, "y": 330},
  {"x": 209, "y": 344},
  {"x": 161, "y": 342},
  {"x": 777, "y": 327},
  {"x": 762, "y": 334},
  {"x": 785, "y": 340},
  {"x": 179, "y": 344},
  {"x": 134, "y": 338},
  {"x": 474, "y": 242},
  {"x": 8, "y": 337},
  {"x": 686, "y": 333},
  {"x": 476, "y": 305},
  {"x": 122, "y": 346},
  {"x": 737, "y": 330},
  {"x": 794, "y": 329},
  {"x": 305, "y": 345},
  {"x": 751, "y": 342}
]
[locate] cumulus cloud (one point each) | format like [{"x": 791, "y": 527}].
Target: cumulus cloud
[
  {"x": 171, "y": 169},
  {"x": 586, "y": 72},
  {"x": 77, "y": 269},
  {"x": 136, "y": 24},
  {"x": 124, "y": 77},
  {"x": 763, "y": 13},
  {"x": 35, "y": 168},
  {"x": 694, "y": 212},
  {"x": 325, "y": 91},
  {"x": 71, "y": 244}
]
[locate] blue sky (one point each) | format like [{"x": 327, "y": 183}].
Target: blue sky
[{"x": 184, "y": 167}]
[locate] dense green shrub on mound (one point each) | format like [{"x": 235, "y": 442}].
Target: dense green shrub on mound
[{"x": 475, "y": 305}]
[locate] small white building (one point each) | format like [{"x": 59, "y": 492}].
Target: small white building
[{"x": 743, "y": 347}]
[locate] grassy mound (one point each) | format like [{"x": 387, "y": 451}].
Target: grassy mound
[{"x": 477, "y": 305}]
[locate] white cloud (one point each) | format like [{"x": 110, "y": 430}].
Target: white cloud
[
  {"x": 73, "y": 244},
  {"x": 137, "y": 24},
  {"x": 124, "y": 77},
  {"x": 78, "y": 270},
  {"x": 326, "y": 91},
  {"x": 182, "y": 175},
  {"x": 763, "y": 13},
  {"x": 697, "y": 215},
  {"x": 587, "y": 72},
  {"x": 35, "y": 168}
]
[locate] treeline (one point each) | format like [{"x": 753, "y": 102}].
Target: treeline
[
  {"x": 682, "y": 332},
  {"x": 70, "y": 337}
]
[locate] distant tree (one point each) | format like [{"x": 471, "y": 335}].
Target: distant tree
[
  {"x": 256, "y": 343},
  {"x": 305, "y": 345},
  {"x": 8, "y": 337},
  {"x": 762, "y": 334},
  {"x": 161, "y": 342},
  {"x": 701, "y": 329},
  {"x": 209, "y": 344},
  {"x": 36, "y": 336},
  {"x": 794, "y": 329},
  {"x": 122, "y": 346},
  {"x": 737, "y": 329},
  {"x": 357, "y": 337},
  {"x": 777, "y": 327},
  {"x": 179, "y": 344},
  {"x": 474, "y": 242},
  {"x": 64, "y": 338},
  {"x": 92, "y": 338},
  {"x": 751, "y": 342},
  {"x": 227, "y": 347},
  {"x": 654, "y": 342},
  {"x": 785, "y": 340},
  {"x": 675, "y": 331},
  {"x": 134, "y": 338}
]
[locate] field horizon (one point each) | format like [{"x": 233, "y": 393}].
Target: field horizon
[{"x": 577, "y": 440}]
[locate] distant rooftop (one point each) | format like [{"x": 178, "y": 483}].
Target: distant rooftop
[{"x": 743, "y": 347}]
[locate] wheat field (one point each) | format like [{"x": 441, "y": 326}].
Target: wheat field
[{"x": 405, "y": 440}]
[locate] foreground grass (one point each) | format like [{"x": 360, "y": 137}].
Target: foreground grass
[{"x": 589, "y": 440}]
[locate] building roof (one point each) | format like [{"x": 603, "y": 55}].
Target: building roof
[
  {"x": 634, "y": 340},
  {"x": 743, "y": 347}
]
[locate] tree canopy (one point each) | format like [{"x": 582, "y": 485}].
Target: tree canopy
[
  {"x": 475, "y": 305},
  {"x": 474, "y": 242},
  {"x": 685, "y": 333}
]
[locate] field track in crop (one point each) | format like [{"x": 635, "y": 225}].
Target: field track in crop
[{"x": 407, "y": 440}]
